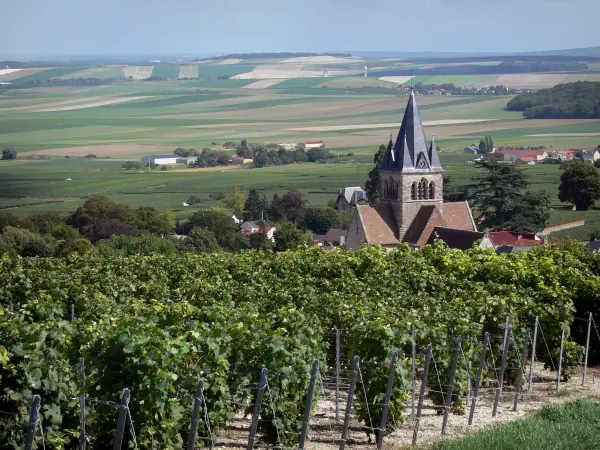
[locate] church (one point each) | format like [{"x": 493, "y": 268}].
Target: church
[{"x": 411, "y": 205}]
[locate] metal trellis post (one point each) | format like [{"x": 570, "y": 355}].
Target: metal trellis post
[
  {"x": 191, "y": 443},
  {"x": 122, "y": 420},
  {"x": 422, "y": 394},
  {"x": 587, "y": 351},
  {"x": 337, "y": 374},
  {"x": 386, "y": 402},
  {"x": 451, "y": 385},
  {"x": 502, "y": 368},
  {"x": 560, "y": 358},
  {"x": 82, "y": 441},
  {"x": 351, "y": 390},
  {"x": 255, "y": 415},
  {"x": 414, "y": 370},
  {"x": 33, "y": 418},
  {"x": 309, "y": 400},
  {"x": 535, "y": 330},
  {"x": 521, "y": 370},
  {"x": 486, "y": 342}
]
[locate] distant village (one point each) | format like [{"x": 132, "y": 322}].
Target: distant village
[{"x": 534, "y": 155}]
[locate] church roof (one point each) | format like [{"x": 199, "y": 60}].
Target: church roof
[
  {"x": 459, "y": 239},
  {"x": 380, "y": 227},
  {"x": 378, "y": 224},
  {"x": 410, "y": 153}
]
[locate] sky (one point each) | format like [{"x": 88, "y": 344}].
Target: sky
[{"x": 199, "y": 27}]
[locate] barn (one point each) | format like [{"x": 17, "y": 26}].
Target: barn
[{"x": 163, "y": 160}]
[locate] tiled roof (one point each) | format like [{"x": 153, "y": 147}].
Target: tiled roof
[
  {"x": 458, "y": 215},
  {"x": 499, "y": 238},
  {"x": 334, "y": 234},
  {"x": 422, "y": 226},
  {"x": 379, "y": 224},
  {"x": 459, "y": 239},
  {"x": 528, "y": 158}
]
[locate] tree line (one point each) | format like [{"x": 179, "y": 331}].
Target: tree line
[
  {"x": 579, "y": 100},
  {"x": 103, "y": 226}
]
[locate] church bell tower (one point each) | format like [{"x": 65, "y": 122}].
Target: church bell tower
[{"x": 411, "y": 175}]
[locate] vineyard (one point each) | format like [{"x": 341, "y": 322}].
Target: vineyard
[{"x": 157, "y": 325}]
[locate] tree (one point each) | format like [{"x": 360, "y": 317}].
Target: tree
[
  {"x": 290, "y": 206},
  {"x": 20, "y": 242},
  {"x": 495, "y": 191},
  {"x": 9, "y": 153},
  {"x": 42, "y": 222},
  {"x": 320, "y": 219},
  {"x": 243, "y": 150},
  {"x": 8, "y": 219},
  {"x": 153, "y": 221},
  {"x": 185, "y": 152},
  {"x": 99, "y": 218},
  {"x": 529, "y": 213},
  {"x": 288, "y": 236},
  {"x": 201, "y": 240},
  {"x": 486, "y": 145},
  {"x": 254, "y": 206},
  {"x": 220, "y": 223},
  {"x": 454, "y": 193},
  {"x": 372, "y": 184},
  {"x": 260, "y": 241},
  {"x": 579, "y": 184},
  {"x": 235, "y": 201}
]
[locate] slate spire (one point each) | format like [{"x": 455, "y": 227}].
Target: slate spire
[
  {"x": 434, "y": 158},
  {"x": 410, "y": 144}
]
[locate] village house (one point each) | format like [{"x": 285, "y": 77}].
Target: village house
[
  {"x": 563, "y": 155},
  {"x": 507, "y": 241},
  {"x": 510, "y": 156},
  {"x": 253, "y": 227},
  {"x": 591, "y": 156},
  {"x": 350, "y": 197},
  {"x": 335, "y": 237},
  {"x": 526, "y": 160},
  {"x": 472, "y": 149},
  {"x": 411, "y": 188}
]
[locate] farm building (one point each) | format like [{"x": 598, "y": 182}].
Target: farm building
[
  {"x": 565, "y": 155},
  {"x": 253, "y": 227},
  {"x": 411, "y": 186},
  {"x": 514, "y": 155},
  {"x": 591, "y": 156},
  {"x": 168, "y": 160},
  {"x": 526, "y": 160},
  {"x": 313, "y": 144},
  {"x": 472, "y": 149}
]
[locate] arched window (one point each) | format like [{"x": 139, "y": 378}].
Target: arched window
[
  {"x": 432, "y": 190},
  {"x": 413, "y": 191},
  {"x": 385, "y": 189},
  {"x": 423, "y": 185},
  {"x": 395, "y": 189}
]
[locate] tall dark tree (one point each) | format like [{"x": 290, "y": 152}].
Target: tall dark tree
[
  {"x": 495, "y": 191},
  {"x": 320, "y": 219},
  {"x": 9, "y": 153},
  {"x": 580, "y": 184},
  {"x": 288, "y": 236},
  {"x": 486, "y": 145},
  {"x": 290, "y": 206},
  {"x": 253, "y": 208},
  {"x": 531, "y": 212},
  {"x": 372, "y": 184}
]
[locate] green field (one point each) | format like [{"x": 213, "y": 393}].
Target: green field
[
  {"x": 76, "y": 119},
  {"x": 166, "y": 71},
  {"x": 57, "y": 72},
  {"x": 574, "y": 427}
]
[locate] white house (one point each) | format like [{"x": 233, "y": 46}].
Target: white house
[
  {"x": 253, "y": 227},
  {"x": 591, "y": 156},
  {"x": 514, "y": 155}
]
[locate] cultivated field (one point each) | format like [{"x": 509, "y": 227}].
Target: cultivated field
[
  {"x": 128, "y": 119},
  {"x": 138, "y": 72}
]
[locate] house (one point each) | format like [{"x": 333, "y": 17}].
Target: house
[
  {"x": 591, "y": 156},
  {"x": 564, "y": 155},
  {"x": 253, "y": 227},
  {"x": 514, "y": 155},
  {"x": 313, "y": 144},
  {"x": 514, "y": 239},
  {"x": 236, "y": 160},
  {"x": 411, "y": 187},
  {"x": 471, "y": 150},
  {"x": 526, "y": 160},
  {"x": 335, "y": 237},
  {"x": 161, "y": 160},
  {"x": 460, "y": 239},
  {"x": 349, "y": 197},
  {"x": 593, "y": 246}
]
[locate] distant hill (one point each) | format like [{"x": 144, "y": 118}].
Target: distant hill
[{"x": 587, "y": 51}]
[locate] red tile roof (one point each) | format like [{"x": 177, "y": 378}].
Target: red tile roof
[
  {"x": 379, "y": 224},
  {"x": 528, "y": 158},
  {"x": 499, "y": 238},
  {"x": 428, "y": 217},
  {"x": 458, "y": 215}
]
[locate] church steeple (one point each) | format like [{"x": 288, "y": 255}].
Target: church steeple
[{"x": 410, "y": 154}]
